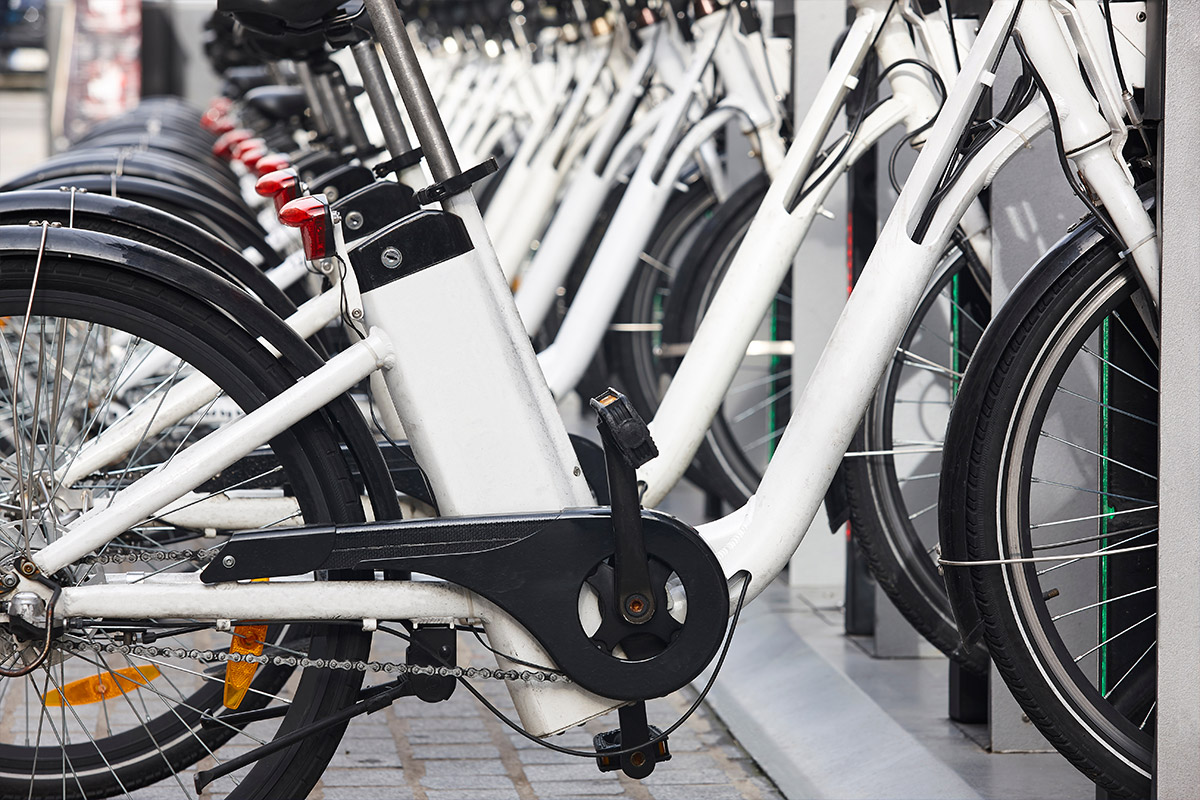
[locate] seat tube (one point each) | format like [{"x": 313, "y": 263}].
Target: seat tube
[
  {"x": 384, "y": 105},
  {"x": 467, "y": 386}
]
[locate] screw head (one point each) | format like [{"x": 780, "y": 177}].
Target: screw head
[
  {"x": 228, "y": 561},
  {"x": 636, "y": 605},
  {"x": 391, "y": 258},
  {"x": 9, "y": 580},
  {"x": 28, "y": 568},
  {"x": 637, "y": 759},
  {"x": 354, "y": 220}
]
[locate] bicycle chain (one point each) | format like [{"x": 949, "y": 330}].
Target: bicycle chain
[
  {"x": 120, "y": 555},
  {"x": 124, "y": 556}
]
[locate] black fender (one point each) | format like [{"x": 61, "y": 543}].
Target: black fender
[
  {"x": 152, "y": 264},
  {"x": 146, "y": 224},
  {"x": 140, "y": 164},
  {"x": 197, "y": 208},
  {"x": 194, "y": 151},
  {"x": 1089, "y": 236}
]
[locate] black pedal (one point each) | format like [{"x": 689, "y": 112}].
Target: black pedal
[
  {"x": 639, "y": 763},
  {"x": 433, "y": 646},
  {"x": 629, "y": 431}
]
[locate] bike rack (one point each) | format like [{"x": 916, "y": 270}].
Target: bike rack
[{"x": 1177, "y": 767}]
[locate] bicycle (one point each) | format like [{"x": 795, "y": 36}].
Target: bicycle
[{"x": 524, "y": 470}]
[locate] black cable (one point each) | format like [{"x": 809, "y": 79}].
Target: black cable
[
  {"x": 945, "y": 182},
  {"x": 976, "y": 136},
  {"x": 662, "y": 736},
  {"x": 475, "y": 631},
  {"x": 1061, "y": 148},
  {"x": 1112, "y": 43},
  {"x": 953, "y": 36},
  {"x": 812, "y": 183},
  {"x": 857, "y": 121},
  {"x": 514, "y": 659}
]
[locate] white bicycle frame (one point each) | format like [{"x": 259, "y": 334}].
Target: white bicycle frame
[
  {"x": 462, "y": 312},
  {"x": 769, "y": 250},
  {"x": 665, "y": 155}
]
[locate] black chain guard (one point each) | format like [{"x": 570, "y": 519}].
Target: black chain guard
[{"x": 532, "y": 566}]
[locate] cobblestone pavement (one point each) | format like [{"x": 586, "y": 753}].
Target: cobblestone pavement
[{"x": 457, "y": 750}]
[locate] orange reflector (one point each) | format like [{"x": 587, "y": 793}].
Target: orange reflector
[
  {"x": 247, "y": 640},
  {"x": 98, "y": 688}
]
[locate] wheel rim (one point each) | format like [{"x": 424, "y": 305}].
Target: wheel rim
[
  {"x": 71, "y": 368},
  {"x": 1045, "y": 510},
  {"x": 906, "y": 424}
]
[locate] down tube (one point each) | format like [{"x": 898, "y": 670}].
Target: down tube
[{"x": 762, "y": 535}]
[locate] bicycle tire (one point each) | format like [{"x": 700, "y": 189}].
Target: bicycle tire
[
  {"x": 720, "y": 461},
  {"x": 633, "y": 352},
  {"x": 310, "y": 455},
  {"x": 880, "y": 503},
  {"x": 889, "y": 514},
  {"x": 1037, "y": 390}
]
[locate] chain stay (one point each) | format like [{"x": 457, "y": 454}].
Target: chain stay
[
  {"x": 389, "y": 667},
  {"x": 123, "y": 556}
]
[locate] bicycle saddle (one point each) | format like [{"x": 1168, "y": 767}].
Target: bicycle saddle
[
  {"x": 285, "y": 44},
  {"x": 277, "y": 103},
  {"x": 240, "y": 80},
  {"x": 279, "y": 16}
]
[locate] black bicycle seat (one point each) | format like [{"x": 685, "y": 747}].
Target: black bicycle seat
[
  {"x": 279, "y": 16},
  {"x": 240, "y": 80},
  {"x": 278, "y": 103},
  {"x": 285, "y": 44}
]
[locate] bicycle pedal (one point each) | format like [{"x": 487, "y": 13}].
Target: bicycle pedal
[{"x": 641, "y": 762}]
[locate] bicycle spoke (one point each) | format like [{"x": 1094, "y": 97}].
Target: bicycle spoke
[
  {"x": 1132, "y": 667},
  {"x": 1088, "y": 491},
  {"x": 1106, "y": 515},
  {"x": 1124, "y": 372},
  {"x": 1101, "y": 603},
  {"x": 1114, "y": 637},
  {"x": 1109, "y": 459}
]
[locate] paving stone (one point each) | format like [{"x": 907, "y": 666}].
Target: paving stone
[
  {"x": 364, "y": 777},
  {"x": 467, "y": 782},
  {"x": 444, "y": 724},
  {"x": 367, "y": 793},
  {"x": 474, "y": 766},
  {"x": 360, "y": 760},
  {"x": 561, "y": 772},
  {"x": 439, "y": 752},
  {"x": 375, "y": 747},
  {"x": 670, "y": 774},
  {"x": 595, "y": 787},
  {"x": 477, "y": 736},
  {"x": 487, "y": 794},
  {"x": 726, "y": 792}
]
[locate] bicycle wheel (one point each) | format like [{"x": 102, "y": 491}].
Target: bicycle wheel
[
  {"x": 634, "y": 339},
  {"x": 97, "y": 719},
  {"x": 743, "y": 435},
  {"x": 1052, "y": 454},
  {"x": 893, "y": 470}
]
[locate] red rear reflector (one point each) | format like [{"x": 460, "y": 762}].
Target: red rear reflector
[
  {"x": 224, "y": 146},
  {"x": 245, "y": 145},
  {"x": 215, "y": 122},
  {"x": 283, "y": 185},
  {"x": 270, "y": 163},
  {"x": 314, "y": 219},
  {"x": 252, "y": 155}
]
